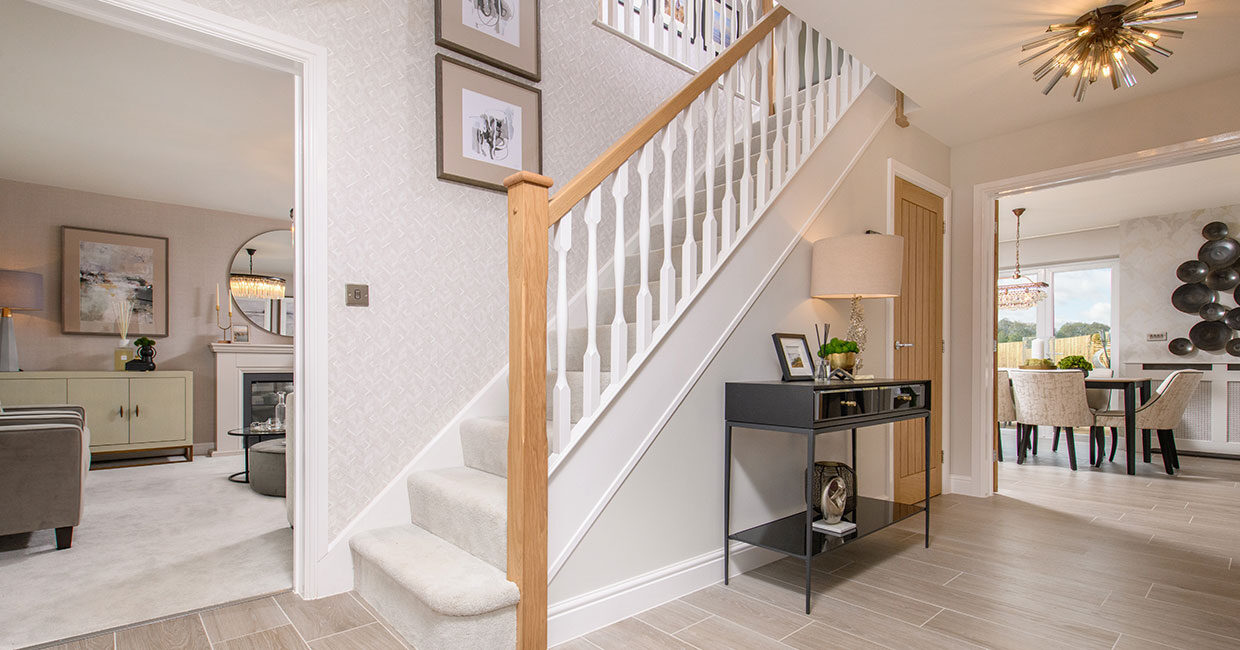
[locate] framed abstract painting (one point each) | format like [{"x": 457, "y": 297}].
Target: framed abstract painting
[
  {"x": 103, "y": 272},
  {"x": 503, "y": 33},
  {"x": 488, "y": 127}
]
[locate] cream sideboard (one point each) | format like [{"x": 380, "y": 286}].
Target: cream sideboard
[{"x": 125, "y": 411}]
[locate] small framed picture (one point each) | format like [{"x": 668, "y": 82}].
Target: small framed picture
[
  {"x": 489, "y": 127},
  {"x": 795, "y": 359},
  {"x": 241, "y": 333},
  {"x": 503, "y": 33}
]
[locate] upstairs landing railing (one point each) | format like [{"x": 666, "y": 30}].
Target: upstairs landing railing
[{"x": 757, "y": 110}]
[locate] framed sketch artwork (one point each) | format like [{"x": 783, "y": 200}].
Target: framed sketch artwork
[
  {"x": 795, "y": 360},
  {"x": 102, "y": 271},
  {"x": 489, "y": 127},
  {"x": 503, "y": 33}
]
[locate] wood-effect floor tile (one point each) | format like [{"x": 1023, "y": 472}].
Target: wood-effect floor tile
[
  {"x": 367, "y": 637},
  {"x": 723, "y": 634},
  {"x": 632, "y": 634},
  {"x": 280, "y": 638},
  {"x": 579, "y": 643},
  {"x": 754, "y": 614},
  {"x": 673, "y": 616},
  {"x": 243, "y": 618},
  {"x": 182, "y": 633},
  {"x": 100, "y": 642},
  {"x": 315, "y": 619},
  {"x": 817, "y": 636}
]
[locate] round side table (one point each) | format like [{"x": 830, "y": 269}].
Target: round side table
[{"x": 249, "y": 438}]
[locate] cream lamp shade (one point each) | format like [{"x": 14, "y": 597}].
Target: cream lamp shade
[
  {"x": 21, "y": 290},
  {"x": 857, "y": 266}
]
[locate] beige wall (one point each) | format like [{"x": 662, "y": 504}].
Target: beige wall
[
  {"x": 201, "y": 244},
  {"x": 676, "y": 490},
  {"x": 1186, "y": 114}
]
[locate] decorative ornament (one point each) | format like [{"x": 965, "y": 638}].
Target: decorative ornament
[
  {"x": 1022, "y": 293},
  {"x": 1101, "y": 42}
]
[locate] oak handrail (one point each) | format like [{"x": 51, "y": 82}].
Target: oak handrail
[{"x": 609, "y": 161}]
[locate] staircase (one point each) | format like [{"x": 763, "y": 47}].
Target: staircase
[{"x": 469, "y": 570}]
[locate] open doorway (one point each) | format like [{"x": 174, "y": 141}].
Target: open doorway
[
  {"x": 1100, "y": 265},
  {"x": 167, "y": 163}
]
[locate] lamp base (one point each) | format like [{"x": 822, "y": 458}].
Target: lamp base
[
  {"x": 8, "y": 344},
  {"x": 856, "y": 329}
]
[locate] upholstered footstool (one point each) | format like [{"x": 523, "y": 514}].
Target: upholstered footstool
[{"x": 267, "y": 467}]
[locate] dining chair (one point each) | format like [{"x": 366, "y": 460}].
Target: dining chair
[
  {"x": 1099, "y": 399},
  {"x": 1054, "y": 398},
  {"x": 1162, "y": 413},
  {"x": 1005, "y": 408}
]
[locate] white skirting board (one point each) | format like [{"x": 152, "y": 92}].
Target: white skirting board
[
  {"x": 583, "y": 614},
  {"x": 962, "y": 484}
]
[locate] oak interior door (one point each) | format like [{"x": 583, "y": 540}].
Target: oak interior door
[
  {"x": 157, "y": 409},
  {"x": 106, "y": 402},
  {"x": 919, "y": 321}
]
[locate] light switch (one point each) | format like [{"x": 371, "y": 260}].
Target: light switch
[
  {"x": 357, "y": 295},
  {"x": 1156, "y": 336}
]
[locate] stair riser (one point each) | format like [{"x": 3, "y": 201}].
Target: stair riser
[
  {"x": 477, "y": 525},
  {"x": 421, "y": 626},
  {"x": 485, "y": 445}
]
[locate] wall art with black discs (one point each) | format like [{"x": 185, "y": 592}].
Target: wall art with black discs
[{"x": 1216, "y": 269}]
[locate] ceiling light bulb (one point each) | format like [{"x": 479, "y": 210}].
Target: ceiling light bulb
[
  {"x": 1084, "y": 30},
  {"x": 1076, "y": 67},
  {"x": 1106, "y": 70},
  {"x": 1118, "y": 54},
  {"x": 1153, "y": 36}
]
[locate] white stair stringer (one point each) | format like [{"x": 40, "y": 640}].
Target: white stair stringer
[{"x": 608, "y": 444}]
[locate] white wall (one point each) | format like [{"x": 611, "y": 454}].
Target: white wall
[
  {"x": 1188, "y": 113},
  {"x": 1101, "y": 243},
  {"x": 434, "y": 253},
  {"x": 1151, "y": 248},
  {"x": 669, "y": 509}
]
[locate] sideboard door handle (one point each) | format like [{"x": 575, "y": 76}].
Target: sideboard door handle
[
  {"x": 121, "y": 412},
  {"x": 137, "y": 411}
]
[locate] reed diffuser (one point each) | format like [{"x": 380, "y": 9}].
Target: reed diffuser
[{"x": 122, "y": 308}]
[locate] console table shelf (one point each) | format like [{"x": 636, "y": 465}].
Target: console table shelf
[{"x": 812, "y": 409}]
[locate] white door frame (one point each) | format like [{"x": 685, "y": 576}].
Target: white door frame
[
  {"x": 897, "y": 169},
  {"x": 984, "y": 196},
  {"x": 186, "y": 24}
]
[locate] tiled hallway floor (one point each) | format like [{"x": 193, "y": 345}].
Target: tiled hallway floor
[{"x": 280, "y": 622}]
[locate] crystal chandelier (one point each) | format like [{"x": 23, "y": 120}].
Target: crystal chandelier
[
  {"x": 1022, "y": 293},
  {"x": 248, "y": 285},
  {"x": 1100, "y": 42}
]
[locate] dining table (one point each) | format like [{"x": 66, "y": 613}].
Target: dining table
[{"x": 1132, "y": 388}]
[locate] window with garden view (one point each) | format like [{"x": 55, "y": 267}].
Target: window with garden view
[{"x": 1074, "y": 319}]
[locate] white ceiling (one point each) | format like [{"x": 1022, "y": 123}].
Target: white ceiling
[
  {"x": 96, "y": 108},
  {"x": 1106, "y": 202},
  {"x": 957, "y": 58}
]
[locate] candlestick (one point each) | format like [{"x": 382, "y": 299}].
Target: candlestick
[{"x": 217, "y": 296}]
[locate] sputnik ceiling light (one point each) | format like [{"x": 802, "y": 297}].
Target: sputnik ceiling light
[
  {"x": 1100, "y": 42},
  {"x": 1020, "y": 293}
]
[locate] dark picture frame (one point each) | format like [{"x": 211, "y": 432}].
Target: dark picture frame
[
  {"x": 455, "y": 83},
  {"x": 796, "y": 360},
  {"x": 100, "y": 263},
  {"x": 523, "y": 59}
]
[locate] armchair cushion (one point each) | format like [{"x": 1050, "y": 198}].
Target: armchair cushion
[{"x": 42, "y": 475}]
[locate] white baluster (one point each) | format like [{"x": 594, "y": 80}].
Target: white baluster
[
  {"x": 666, "y": 28},
  {"x": 807, "y": 113},
  {"x": 645, "y": 303},
  {"x": 561, "y": 395},
  {"x": 619, "y": 328},
  {"x": 711, "y": 25},
  {"x": 688, "y": 247},
  {"x": 667, "y": 272},
  {"x": 857, "y": 76},
  {"x": 591, "y": 360},
  {"x": 647, "y": 22},
  {"x": 684, "y": 34},
  {"x": 820, "y": 104},
  {"x": 792, "y": 68},
  {"x": 746, "y": 199},
  {"x": 764, "y": 104},
  {"x": 728, "y": 210},
  {"x": 777, "y": 155},
  {"x": 633, "y": 20},
  {"x": 603, "y": 8},
  {"x": 833, "y": 103},
  {"x": 708, "y": 221},
  {"x": 845, "y": 81}
]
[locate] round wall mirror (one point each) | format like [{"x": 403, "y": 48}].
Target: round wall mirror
[{"x": 261, "y": 281}]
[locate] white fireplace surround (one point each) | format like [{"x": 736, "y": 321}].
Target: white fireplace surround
[{"x": 232, "y": 362}]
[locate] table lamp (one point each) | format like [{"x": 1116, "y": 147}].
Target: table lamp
[
  {"x": 870, "y": 265},
  {"x": 19, "y": 290}
]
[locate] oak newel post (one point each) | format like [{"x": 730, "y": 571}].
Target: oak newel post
[{"x": 528, "y": 224}]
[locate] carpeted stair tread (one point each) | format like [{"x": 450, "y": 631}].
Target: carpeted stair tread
[
  {"x": 446, "y": 578},
  {"x": 465, "y": 506}
]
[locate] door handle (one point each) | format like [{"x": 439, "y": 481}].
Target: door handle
[
  {"x": 903, "y": 345},
  {"x": 137, "y": 411},
  {"x": 121, "y": 412}
]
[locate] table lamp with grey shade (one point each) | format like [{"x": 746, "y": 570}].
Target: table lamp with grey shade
[
  {"x": 870, "y": 265},
  {"x": 19, "y": 290}
]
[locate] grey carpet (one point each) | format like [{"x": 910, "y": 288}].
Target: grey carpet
[{"x": 154, "y": 541}]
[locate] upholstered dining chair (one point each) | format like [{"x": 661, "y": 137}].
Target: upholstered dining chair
[
  {"x": 1099, "y": 399},
  {"x": 1005, "y": 409},
  {"x": 1054, "y": 398},
  {"x": 1161, "y": 413}
]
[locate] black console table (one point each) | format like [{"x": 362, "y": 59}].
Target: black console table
[{"x": 810, "y": 409}]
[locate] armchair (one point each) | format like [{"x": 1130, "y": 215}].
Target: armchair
[{"x": 44, "y": 457}]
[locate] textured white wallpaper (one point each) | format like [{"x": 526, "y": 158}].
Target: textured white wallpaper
[
  {"x": 1150, "y": 250},
  {"x": 434, "y": 253}
]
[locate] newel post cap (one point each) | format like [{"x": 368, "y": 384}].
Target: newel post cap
[{"x": 528, "y": 177}]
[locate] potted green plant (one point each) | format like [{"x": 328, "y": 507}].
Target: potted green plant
[
  {"x": 146, "y": 355},
  {"x": 840, "y": 353},
  {"x": 1076, "y": 362}
]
